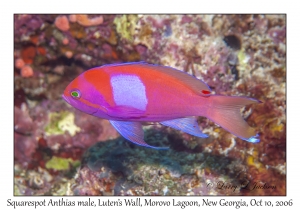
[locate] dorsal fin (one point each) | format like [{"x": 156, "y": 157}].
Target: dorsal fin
[
  {"x": 195, "y": 84},
  {"x": 123, "y": 64}
]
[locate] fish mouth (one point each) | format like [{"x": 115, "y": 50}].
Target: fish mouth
[{"x": 65, "y": 98}]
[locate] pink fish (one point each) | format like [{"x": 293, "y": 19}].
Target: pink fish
[{"x": 131, "y": 93}]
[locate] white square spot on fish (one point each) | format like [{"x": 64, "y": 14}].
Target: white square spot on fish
[{"x": 129, "y": 90}]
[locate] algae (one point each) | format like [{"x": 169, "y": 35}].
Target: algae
[
  {"x": 243, "y": 59},
  {"x": 60, "y": 122},
  {"x": 125, "y": 26},
  {"x": 60, "y": 164}
]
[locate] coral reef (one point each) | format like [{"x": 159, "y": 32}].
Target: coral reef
[{"x": 61, "y": 151}]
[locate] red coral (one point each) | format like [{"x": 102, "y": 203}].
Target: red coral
[
  {"x": 84, "y": 20},
  {"x": 19, "y": 63},
  {"x": 62, "y": 23},
  {"x": 28, "y": 53},
  {"x": 26, "y": 71}
]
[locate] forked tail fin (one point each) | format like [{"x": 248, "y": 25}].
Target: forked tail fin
[{"x": 225, "y": 111}]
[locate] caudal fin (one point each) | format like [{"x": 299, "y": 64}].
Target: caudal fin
[{"x": 225, "y": 111}]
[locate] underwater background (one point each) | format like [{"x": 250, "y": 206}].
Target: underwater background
[{"x": 61, "y": 151}]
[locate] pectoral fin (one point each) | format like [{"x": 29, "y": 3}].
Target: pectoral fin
[
  {"x": 188, "y": 125},
  {"x": 130, "y": 112},
  {"x": 133, "y": 132}
]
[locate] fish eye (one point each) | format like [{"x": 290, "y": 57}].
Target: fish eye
[{"x": 75, "y": 94}]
